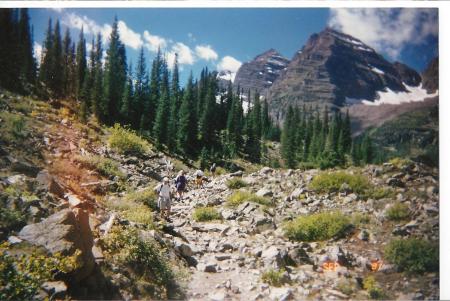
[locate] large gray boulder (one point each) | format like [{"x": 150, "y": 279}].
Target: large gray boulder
[{"x": 65, "y": 233}]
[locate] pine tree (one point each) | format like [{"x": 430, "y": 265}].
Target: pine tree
[
  {"x": 141, "y": 91},
  {"x": 28, "y": 63},
  {"x": 367, "y": 150},
  {"x": 80, "y": 63},
  {"x": 115, "y": 74},
  {"x": 127, "y": 99},
  {"x": 148, "y": 118},
  {"x": 186, "y": 135},
  {"x": 288, "y": 139},
  {"x": 174, "y": 107},
  {"x": 47, "y": 56},
  {"x": 10, "y": 57},
  {"x": 99, "y": 106},
  {"x": 67, "y": 62},
  {"x": 207, "y": 129},
  {"x": 163, "y": 110}
]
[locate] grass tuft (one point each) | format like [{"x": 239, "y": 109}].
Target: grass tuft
[
  {"x": 241, "y": 196},
  {"x": 236, "y": 183},
  {"x": 126, "y": 141},
  {"x": 398, "y": 212},
  {"x": 205, "y": 214},
  {"x": 333, "y": 181},
  {"x": 319, "y": 226}
]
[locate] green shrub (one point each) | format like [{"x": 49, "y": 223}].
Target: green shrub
[
  {"x": 131, "y": 210},
  {"x": 236, "y": 183},
  {"x": 241, "y": 196},
  {"x": 400, "y": 162},
  {"x": 126, "y": 141},
  {"x": 413, "y": 255},
  {"x": 273, "y": 277},
  {"x": 147, "y": 197},
  {"x": 333, "y": 181},
  {"x": 106, "y": 167},
  {"x": 144, "y": 259},
  {"x": 397, "y": 212},
  {"x": 11, "y": 219},
  {"x": 346, "y": 286},
  {"x": 205, "y": 214},
  {"x": 379, "y": 193},
  {"x": 22, "y": 275},
  {"x": 12, "y": 127},
  {"x": 360, "y": 219},
  {"x": 372, "y": 287},
  {"x": 319, "y": 226}
]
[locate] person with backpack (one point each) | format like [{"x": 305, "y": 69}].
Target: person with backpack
[
  {"x": 164, "y": 201},
  {"x": 180, "y": 184},
  {"x": 212, "y": 169}
]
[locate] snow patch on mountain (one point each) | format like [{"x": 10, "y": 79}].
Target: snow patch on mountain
[
  {"x": 376, "y": 70},
  {"x": 415, "y": 94},
  {"x": 226, "y": 75}
]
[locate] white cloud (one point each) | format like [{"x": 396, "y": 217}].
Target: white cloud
[
  {"x": 229, "y": 63},
  {"x": 191, "y": 37},
  {"x": 89, "y": 26},
  {"x": 128, "y": 36},
  {"x": 37, "y": 52},
  {"x": 386, "y": 29},
  {"x": 185, "y": 54},
  {"x": 153, "y": 42},
  {"x": 206, "y": 52}
]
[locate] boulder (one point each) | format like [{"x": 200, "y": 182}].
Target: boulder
[
  {"x": 266, "y": 170},
  {"x": 25, "y": 168},
  {"x": 64, "y": 232},
  {"x": 282, "y": 293},
  {"x": 208, "y": 267},
  {"x": 299, "y": 256},
  {"x": 395, "y": 182},
  {"x": 182, "y": 248},
  {"x": 264, "y": 192},
  {"x": 297, "y": 193}
]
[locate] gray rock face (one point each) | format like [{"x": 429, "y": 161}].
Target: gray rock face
[
  {"x": 63, "y": 233},
  {"x": 259, "y": 75},
  {"x": 430, "y": 76}
]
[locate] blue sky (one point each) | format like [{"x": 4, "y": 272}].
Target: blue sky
[{"x": 223, "y": 38}]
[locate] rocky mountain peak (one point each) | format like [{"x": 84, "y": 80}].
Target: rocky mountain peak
[
  {"x": 430, "y": 76},
  {"x": 259, "y": 74},
  {"x": 336, "y": 69}
]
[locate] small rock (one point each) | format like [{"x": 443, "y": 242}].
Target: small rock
[
  {"x": 56, "y": 289},
  {"x": 208, "y": 267},
  {"x": 337, "y": 294},
  {"x": 281, "y": 293},
  {"x": 432, "y": 190},
  {"x": 264, "y": 192},
  {"x": 14, "y": 240},
  {"x": 266, "y": 170},
  {"x": 395, "y": 182}
]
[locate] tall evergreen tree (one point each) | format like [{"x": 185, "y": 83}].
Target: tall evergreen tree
[
  {"x": 207, "y": 130},
  {"x": 28, "y": 63},
  {"x": 141, "y": 91},
  {"x": 288, "y": 139},
  {"x": 174, "y": 107},
  {"x": 127, "y": 99},
  {"x": 47, "y": 56},
  {"x": 67, "y": 64},
  {"x": 161, "y": 121},
  {"x": 115, "y": 74},
  {"x": 80, "y": 63},
  {"x": 150, "y": 106},
  {"x": 98, "y": 102},
  {"x": 187, "y": 133}
]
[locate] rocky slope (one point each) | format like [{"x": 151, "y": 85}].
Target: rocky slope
[
  {"x": 71, "y": 206},
  {"x": 335, "y": 69},
  {"x": 259, "y": 74},
  {"x": 430, "y": 76}
]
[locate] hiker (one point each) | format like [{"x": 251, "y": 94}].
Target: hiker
[
  {"x": 199, "y": 178},
  {"x": 213, "y": 169},
  {"x": 180, "y": 184},
  {"x": 164, "y": 192}
]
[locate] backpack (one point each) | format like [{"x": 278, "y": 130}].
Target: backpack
[{"x": 180, "y": 181}]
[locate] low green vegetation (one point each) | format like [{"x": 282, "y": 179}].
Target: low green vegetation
[
  {"x": 106, "y": 167},
  {"x": 241, "y": 196},
  {"x": 22, "y": 275},
  {"x": 336, "y": 181},
  {"x": 126, "y": 141},
  {"x": 359, "y": 219},
  {"x": 317, "y": 227},
  {"x": 132, "y": 211},
  {"x": 398, "y": 212},
  {"x": 12, "y": 127},
  {"x": 236, "y": 183},
  {"x": 413, "y": 255},
  {"x": 400, "y": 162},
  {"x": 147, "y": 197},
  {"x": 274, "y": 277},
  {"x": 346, "y": 286},
  {"x": 373, "y": 288},
  {"x": 205, "y": 214},
  {"x": 378, "y": 193},
  {"x": 144, "y": 260}
]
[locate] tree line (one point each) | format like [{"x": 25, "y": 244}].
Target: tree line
[
  {"x": 310, "y": 137},
  {"x": 198, "y": 120}
]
